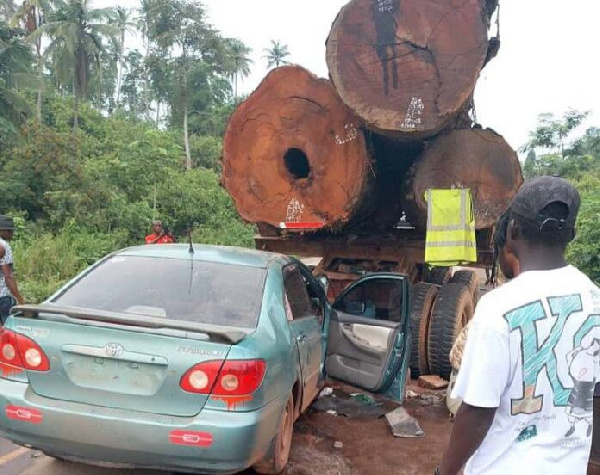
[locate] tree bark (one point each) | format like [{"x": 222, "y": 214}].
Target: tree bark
[
  {"x": 76, "y": 114},
  {"x": 473, "y": 158},
  {"x": 407, "y": 68},
  {"x": 294, "y": 153},
  {"x": 40, "y": 71},
  {"x": 186, "y": 139},
  {"x": 120, "y": 66}
]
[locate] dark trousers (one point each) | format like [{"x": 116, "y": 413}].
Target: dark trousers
[{"x": 6, "y": 303}]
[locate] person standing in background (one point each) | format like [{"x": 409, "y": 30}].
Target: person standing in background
[
  {"x": 9, "y": 290},
  {"x": 161, "y": 235}
]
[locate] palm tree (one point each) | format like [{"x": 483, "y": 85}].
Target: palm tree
[
  {"x": 239, "y": 61},
  {"x": 7, "y": 9},
  {"x": 276, "y": 54},
  {"x": 31, "y": 15},
  {"x": 124, "y": 23},
  {"x": 15, "y": 63},
  {"x": 77, "y": 33}
]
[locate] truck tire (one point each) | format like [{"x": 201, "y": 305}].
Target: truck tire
[
  {"x": 422, "y": 296},
  {"x": 452, "y": 309},
  {"x": 468, "y": 278},
  {"x": 438, "y": 275}
]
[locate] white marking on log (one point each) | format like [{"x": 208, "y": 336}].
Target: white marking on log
[
  {"x": 350, "y": 133},
  {"x": 384, "y": 6},
  {"x": 414, "y": 113},
  {"x": 294, "y": 211}
]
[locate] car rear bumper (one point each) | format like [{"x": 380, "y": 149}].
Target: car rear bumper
[{"x": 212, "y": 442}]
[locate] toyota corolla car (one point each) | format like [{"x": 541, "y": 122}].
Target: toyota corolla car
[{"x": 191, "y": 359}]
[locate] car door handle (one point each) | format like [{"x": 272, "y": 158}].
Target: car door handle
[{"x": 301, "y": 337}]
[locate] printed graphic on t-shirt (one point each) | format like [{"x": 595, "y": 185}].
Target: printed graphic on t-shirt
[{"x": 576, "y": 396}]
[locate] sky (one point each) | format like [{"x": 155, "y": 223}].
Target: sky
[{"x": 548, "y": 60}]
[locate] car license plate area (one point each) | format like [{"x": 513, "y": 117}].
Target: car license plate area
[{"x": 118, "y": 376}]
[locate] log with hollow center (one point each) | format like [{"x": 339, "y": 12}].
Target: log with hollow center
[{"x": 293, "y": 153}]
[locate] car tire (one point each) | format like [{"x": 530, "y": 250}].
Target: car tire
[
  {"x": 452, "y": 310},
  {"x": 438, "y": 275},
  {"x": 279, "y": 451},
  {"x": 422, "y": 296}
]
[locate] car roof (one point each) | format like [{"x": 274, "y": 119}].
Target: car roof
[{"x": 219, "y": 254}]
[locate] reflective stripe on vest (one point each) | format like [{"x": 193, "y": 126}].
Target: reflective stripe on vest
[{"x": 450, "y": 228}]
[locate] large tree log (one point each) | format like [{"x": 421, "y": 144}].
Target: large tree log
[
  {"x": 293, "y": 152},
  {"x": 477, "y": 159},
  {"x": 408, "y": 67}
]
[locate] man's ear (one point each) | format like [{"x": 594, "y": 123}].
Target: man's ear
[
  {"x": 511, "y": 235},
  {"x": 513, "y": 229}
]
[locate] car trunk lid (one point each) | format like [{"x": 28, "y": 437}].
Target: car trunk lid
[{"x": 113, "y": 364}]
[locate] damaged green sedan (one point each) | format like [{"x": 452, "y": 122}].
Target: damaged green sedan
[{"x": 193, "y": 359}]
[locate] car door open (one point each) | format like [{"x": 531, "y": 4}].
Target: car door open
[{"x": 368, "y": 333}]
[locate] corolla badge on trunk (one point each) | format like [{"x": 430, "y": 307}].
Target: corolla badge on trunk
[{"x": 113, "y": 350}]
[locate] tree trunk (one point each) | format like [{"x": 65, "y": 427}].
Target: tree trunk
[
  {"x": 293, "y": 153},
  {"x": 76, "y": 114},
  {"x": 40, "y": 71},
  {"x": 473, "y": 158},
  {"x": 186, "y": 139},
  {"x": 407, "y": 68},
  {"x": 120, "y": 66}
]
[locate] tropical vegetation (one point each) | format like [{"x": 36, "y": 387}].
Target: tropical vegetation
[
  {"x": 98, "y": 138},
  {"x": 558, "y": 147}
]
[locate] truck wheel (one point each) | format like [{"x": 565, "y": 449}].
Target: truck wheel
[
  {"x": 422, "y": 296},
  {"x": 452, "y": 310},
  {"x": 439, "y": 275},
  {"x": 468, "y": 278},
  {"x": 279, "y": 451}
]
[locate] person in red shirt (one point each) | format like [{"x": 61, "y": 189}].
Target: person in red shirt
[{"x": 160, "y": 235}]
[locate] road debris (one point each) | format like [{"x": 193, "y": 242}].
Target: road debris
[
  {"x": 432, "y": 382},
  {"x": 355, "y": 405},
  {"x": 325, "y": 392},
  {"x": 403, "y": 424}
]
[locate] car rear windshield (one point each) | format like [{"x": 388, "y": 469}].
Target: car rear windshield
[{"x": 177, "y": 289}]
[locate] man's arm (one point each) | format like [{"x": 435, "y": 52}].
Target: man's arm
[
  {"x": 11, "y": 282},
  {"x": 480, "y": 384},
  {"x": 471, "y": 426},
  {"x": 156, "y": 239}
]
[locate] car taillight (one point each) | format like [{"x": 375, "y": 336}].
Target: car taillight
[
  {"x": 18, "y": 351},
  {"x": 229, "y": 378}
]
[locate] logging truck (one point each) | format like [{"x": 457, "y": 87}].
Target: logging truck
[{"x": 338, "y": 168}]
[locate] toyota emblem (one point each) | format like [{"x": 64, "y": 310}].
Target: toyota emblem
[{"x": 113, "y": 350}]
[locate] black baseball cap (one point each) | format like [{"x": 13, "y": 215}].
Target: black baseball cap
[{"x": 535, "y": 195}]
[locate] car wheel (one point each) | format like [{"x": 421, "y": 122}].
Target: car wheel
[{"x": 279, "y": 451}]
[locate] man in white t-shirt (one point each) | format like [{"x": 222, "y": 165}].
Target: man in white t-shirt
[{"x": 531, "y": 360}]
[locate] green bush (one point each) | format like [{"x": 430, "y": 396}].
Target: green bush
[{"x": 44, "y": 262}]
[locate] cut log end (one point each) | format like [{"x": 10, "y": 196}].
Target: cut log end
[
  {"x": 477, "y": 159},
  {"x": 407, "y": 68},
  {"x": 293, "y": 153}
]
